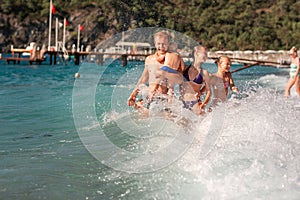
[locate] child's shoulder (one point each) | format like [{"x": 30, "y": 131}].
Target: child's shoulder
[{"x": 151, "y": 59}]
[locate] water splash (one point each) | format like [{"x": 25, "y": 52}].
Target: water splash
[{"x": 255, "y": 156}]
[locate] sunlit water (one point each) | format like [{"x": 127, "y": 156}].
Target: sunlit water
[{"x": 252, "y": 154}]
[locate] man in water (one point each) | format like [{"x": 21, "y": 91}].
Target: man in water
[{"x": 153, "y": 65}]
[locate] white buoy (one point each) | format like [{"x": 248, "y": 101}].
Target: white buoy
[{"x": 77, "y": 75}]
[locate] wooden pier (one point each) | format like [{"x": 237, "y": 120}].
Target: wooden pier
[
  {"x": 39, "y": 58},
  {"x": 17, "y": 60},
  {"x": 17, "y": 56},
  {"x": 280, "y": 60}
]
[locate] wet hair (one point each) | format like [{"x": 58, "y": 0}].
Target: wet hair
[
  {"x": 197, "y": 48},
  {"x": 218, "y": 60},
  {"x": 293, "y": 50},
  {"x": 162, "y": 34}
]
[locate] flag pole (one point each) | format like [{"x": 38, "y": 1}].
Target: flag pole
[
  {"x": 56, "y": 34},
  {"x": 50, "y": 21},
  {"x": 123, "y": 40},
  {"x": 78, "y": 39},
  {"x": 64, "y": 34}
]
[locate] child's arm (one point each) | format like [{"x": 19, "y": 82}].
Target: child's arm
[
  {"x": 298, "y": 67},
  {"x": 206, "y": 77},
  {"x": 231, "y": 83},
  {"x": 143, "y": 80}
]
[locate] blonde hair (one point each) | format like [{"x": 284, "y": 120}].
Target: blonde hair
[
  {"x": 162, "y": 34},
  {"x": 200, "y": 48},
  {"x": 218, "y": 60},
  {"x": 293, "y": 50}
]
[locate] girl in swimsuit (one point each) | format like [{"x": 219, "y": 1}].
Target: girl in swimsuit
[
  {"x": 294, "y": 73},
  {"x": 197, "y": 82},
  {"x": 222, "y": 80},
  {"x": 169, "y": 74}
]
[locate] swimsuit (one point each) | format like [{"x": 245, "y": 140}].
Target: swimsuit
[
  {"x": 226, "y": 85},
  {"x": 169, "y": 69},
  {"x": 189, "y": 104},
  {"x": 198, "y": 79},
  {"x": 221, "y": 84},
  {"x": 293, "y": 70}
]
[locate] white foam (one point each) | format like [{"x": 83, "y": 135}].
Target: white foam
[
  {"x": 248, "y": 149},
  {"x": 257, "y": 153}
]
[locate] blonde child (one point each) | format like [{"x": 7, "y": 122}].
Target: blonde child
[
  {"x": 222, "y": 80},
  {"x": 170, "y": 73}
]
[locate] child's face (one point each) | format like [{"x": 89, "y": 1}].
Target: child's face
[
  {"x": 201, "y": 54},
  {"x": 224, "y": 64}
]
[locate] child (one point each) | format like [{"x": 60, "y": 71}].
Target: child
[
  {"x": 294, "y": 73},
  {"x": 197, "y": 82},
  {"x": 222, "y": 80},
  {"x": 169, "y": 74}
]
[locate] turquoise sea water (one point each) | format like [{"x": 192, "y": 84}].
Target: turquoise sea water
[{"x": 255, "y": 154}]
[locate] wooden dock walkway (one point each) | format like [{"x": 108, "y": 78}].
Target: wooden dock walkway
[
  {"x": 16, "y": 57},
  {"x": 17, "y": 60},
  {"x": 39, "y": 58}
]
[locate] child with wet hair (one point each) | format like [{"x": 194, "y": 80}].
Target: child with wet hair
[
  {"x": 222, "y": 80},
  {"x": 170, "y": 73}
]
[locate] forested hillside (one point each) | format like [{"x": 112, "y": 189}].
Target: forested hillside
[{"x": 219, "y": 24}]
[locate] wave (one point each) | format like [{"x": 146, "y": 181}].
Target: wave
[{"x": 247, "y": 148}]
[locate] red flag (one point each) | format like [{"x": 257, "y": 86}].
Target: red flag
[
  {"x": 67, "y": 23},
  {"x": 53, "y": 10},
  {"x": 81, "y": 28}
]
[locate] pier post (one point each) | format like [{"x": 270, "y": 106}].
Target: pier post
[
  {"x": 19, "y": 56},
  {"x": 124, "y": 60},
  {"x": 76, "y": 58},
  {"x": 99, "y": 58},
  {"x": 55, "y": 55},
  {"x": 51, "y": 55}
]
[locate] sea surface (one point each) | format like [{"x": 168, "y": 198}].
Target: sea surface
[{"x": 61, "y": 138}]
